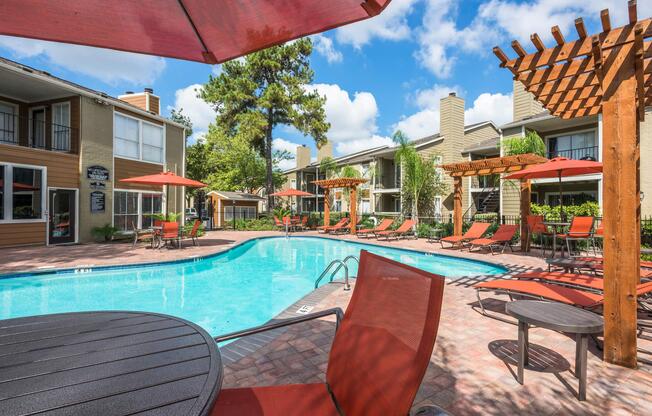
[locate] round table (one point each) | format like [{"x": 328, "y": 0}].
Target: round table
[
  {"x": 557, "y": 317},
  {"x": 107, "y": 363}
]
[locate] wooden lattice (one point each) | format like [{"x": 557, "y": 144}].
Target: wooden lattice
[
  {"x": 493, "y": 165},
  {"x": 340, "y": 182},
  {"x": 572, "y": 79}
]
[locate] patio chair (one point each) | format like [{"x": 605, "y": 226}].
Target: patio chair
[
  {"x": 383, "y": 226},
  {"x": 379, "y": 354},
  {"x": 194, "y": 233},
  {"x": 303, "y": 225},
  {"x": 278, "y": 224},
  {"x": 141, "y": 235},
  {"x": 581, "y": 229},
  {"x": 564, "y": 279},
  {"x": 327, "y": 228},
  {"x": 344, "y": 229},
  {"x": 476, "y": 231},
  {"x": 404, "y": 230},
  {"x": 536, "y": 226},
  {"x": 170, "y": 233},
  {"x": 501, "y": 238}
]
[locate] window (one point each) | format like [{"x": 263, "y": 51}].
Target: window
[
  {"x": 571, "y": 198},
  {"x": 125, "y": 210},
  {"x": 126, "y": 142},
  {"x": 152, "y": 204},
  {"x": 241, "y": 212},
  {"x": 26, "y": 193},
  {"x": 61, "y": 126},
  {"x": 438, "y": 208},
  {"x": 574, "y": 146},
  {"x": 8, "y": 123},
  {"x": 152, "y": 143}
]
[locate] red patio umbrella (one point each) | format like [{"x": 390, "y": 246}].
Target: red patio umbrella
[
  {"x": 197, "y": 30},
  {"x": 291, "y": 192},
  {"x": 557, "y": 168},
  {"x": 165, "y": 179}
]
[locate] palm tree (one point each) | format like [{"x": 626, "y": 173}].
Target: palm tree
[
  {"x": 531, "y": 143},
  {"x": 417, "y": 172}
]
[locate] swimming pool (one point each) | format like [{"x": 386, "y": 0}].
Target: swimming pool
[{"x": 242, "y": 287}]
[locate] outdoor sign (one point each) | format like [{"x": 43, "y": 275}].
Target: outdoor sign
[
  {"x": 98, "y": 201},
  {"x": 98, "y": 185},
  {"x": 98, "y": 173}
]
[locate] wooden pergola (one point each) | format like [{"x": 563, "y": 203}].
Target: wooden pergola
[
  {"x": 352, "y": 185},
  {"x": 492, "y": 166},
  {"x": 608, "y": 73}
]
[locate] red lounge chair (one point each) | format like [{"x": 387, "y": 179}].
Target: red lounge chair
[
  {"x": 502, "y": 237},
  {"x": 566, "y": 279},
  {"x": 476, "y": 231},
  {"x": 379, "y": 355},
  {"x": 345, "y": 228},
  {"x": 327, "y": 228},
  {"x": 404, "y": 230},
  {"x": 278, "y": 224},
  {"x": 383, "y": 226},
  {"x": 581, "y": 229},
  {"x": 169, "y": 233}
]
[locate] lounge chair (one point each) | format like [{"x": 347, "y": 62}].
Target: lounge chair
[
  {"x": 383, "y": 226},
  {"x": 326, "y": 228},
  {"x": 592, "y": 264},
  {"x": 344, "y": 229},
  {"x": 476, "y": 231},
  {"x": 565, "y": 279},
  {"x": 581, "y": 229},
  {"x": 404, "y": 230},
  {"x": 379, "y": 355},
  {"x": 501, "y": 238}
]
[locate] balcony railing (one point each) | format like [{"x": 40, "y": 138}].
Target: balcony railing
[
  {"x": 387, "y": 183},
  {"x": 30, "y": 132},
  {"x": 580, "y": 153}
]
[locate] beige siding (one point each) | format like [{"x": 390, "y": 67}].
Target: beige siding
[
  {"x": 480, "y": 134},
  {"x": 175, "y": 143},
  {"x": 524, "y": 103},
  {"x": 511, "y": 193}
]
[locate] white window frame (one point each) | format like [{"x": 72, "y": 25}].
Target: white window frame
[
  {"x": 140, "y": 193},
  {"x": 140, "y": 139},
  {"x": 437, "y": 206},
  {"x": 598, "y": 142},
  {"x": 16, "y": 121},
  {"x": 8, "y": 193},
  {"x": 229, "y": 208},
  {"x": 67, "y": 124},
  {"x": 47, "y": 227}
]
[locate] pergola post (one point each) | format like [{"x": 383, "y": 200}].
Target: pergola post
[
  {"x": 621, "y": 206},
  {"x": 457, "y": 205},
  {"x": 526, "y": 198},
  {"x": 327, "y": 207},
  {"x": 353, "y": 208}
]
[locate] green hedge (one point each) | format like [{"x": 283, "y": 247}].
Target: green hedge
[{"x": 587, "y": 209}]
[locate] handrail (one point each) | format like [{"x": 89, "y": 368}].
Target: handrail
[{"x": 340, "y": 263}]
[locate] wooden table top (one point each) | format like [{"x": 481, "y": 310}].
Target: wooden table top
[
  {"x": 107, "y": 363},
  {"x": 556, "y": 316}
]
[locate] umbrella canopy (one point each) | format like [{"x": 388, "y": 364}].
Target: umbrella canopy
[
  {"x": 291, "y": 192},
  {"x": 557, "y": 168},
  {"x": 197, "y": 30},
  {"x": 164, "y": 178}
]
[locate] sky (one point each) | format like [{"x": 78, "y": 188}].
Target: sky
[{"x": 378, "y": 76}]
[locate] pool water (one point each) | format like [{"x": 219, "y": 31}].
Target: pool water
[{"x": 237, "y": 289}]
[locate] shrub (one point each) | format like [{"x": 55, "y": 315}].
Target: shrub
[
  {"x": 261, "y": 224},
  {"x": 486, "y": 217},
  {"x": 588, "y": 209},
  {"x": 105, "y": 232}
]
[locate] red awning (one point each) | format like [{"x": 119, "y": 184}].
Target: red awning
[
  {"x": 291, "y": 192},
  {"x": 164, "y": 178},
  {"x": 209, "y": 31}
]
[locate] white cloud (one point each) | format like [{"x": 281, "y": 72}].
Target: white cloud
[
  {"x": 109, "y": 66},
  {"x": 324, "y": 46},
  {"x": 353, "y": 146},
  {"x": 201, "y": 113},
  {"x": 288, "y": 146},
  {"x": 495, "y": 107},
  {"x": 391, "y": 24}
]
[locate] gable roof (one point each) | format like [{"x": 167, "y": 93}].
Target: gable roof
[{"x": 237, "y": 196}]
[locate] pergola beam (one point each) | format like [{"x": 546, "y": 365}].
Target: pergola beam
[{"x": 351, "y": 184}]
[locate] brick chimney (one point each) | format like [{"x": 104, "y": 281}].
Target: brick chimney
[
  {"x": 524, "y": 103},
  {"x": 145, "y": 100},
  {"x": 451, "y": 116},
  {"x": 303, "y": 156},
  {"x": 325, "y": 151}
]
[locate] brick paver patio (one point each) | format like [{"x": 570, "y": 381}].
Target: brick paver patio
[{"x": 472, "y": 367}]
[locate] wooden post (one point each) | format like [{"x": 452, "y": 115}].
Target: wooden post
[
  {"x": 353, "y": 206},
  {"x": 526, "y": 197},
  {"x": 621, "y": 205},
  {"x": 457, "y": 206},
  {"x": 327, "y": 207}
]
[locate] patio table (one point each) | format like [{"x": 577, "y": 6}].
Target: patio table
[
  {"x": 109, "y": 363},
  {"x": 557, "y": 317},
  {"x": 555, "y": 226}
]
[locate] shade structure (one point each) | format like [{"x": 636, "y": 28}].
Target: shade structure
[
  {"x": 291, "y": 192},
  {"x": 557, "y": 168},
  {"x": 207, "y": 31},
  {"x": 165, "y": 179}
]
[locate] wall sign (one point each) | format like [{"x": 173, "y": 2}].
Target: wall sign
[
  {"x": 98, "y": 173},
  {"x": 98, "y": 201},
  {"x": 97, "y": 185}
]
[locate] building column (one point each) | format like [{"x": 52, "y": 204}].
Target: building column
[
  {"x": 457, "y": 205},
  {"x": 526, "y": 197},
  {"x": 327, "y": 207},
  {"x": 353, "y": 207}
]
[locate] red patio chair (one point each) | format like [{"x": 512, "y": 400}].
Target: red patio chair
[
  {"x": 278, "y": 224},
  {"x": 581, "y": 229},
  {"x": 379, "y": 355},
  {"x": 476, "y": 231},
  {"x": 536, "y": 227},
  {"x": 403, "y": 230},
  {"x": 502, "y": 237},
  {"x": 193, "y": 235},
  {"x": 327, "y": 228},
  {"x": 170, "y": 233},
  {"x": 383, "y": 226}
]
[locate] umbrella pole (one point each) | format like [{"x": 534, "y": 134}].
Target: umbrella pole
[
  {"x": 561, "y": 201},
  {"x": 167, "y": 202}
]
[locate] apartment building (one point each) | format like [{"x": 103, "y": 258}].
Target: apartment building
[
  {"x": 579, "y": 138},
  {"x": 64, "y": 149},
  {"x": 455, "y": 142}
]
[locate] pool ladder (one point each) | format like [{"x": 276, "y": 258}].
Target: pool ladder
[{"x": 340, "y": 264}]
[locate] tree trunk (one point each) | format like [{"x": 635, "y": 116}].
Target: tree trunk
[
  {"x": 415, "y": 208},
  {"x": 269, "y": 181}
]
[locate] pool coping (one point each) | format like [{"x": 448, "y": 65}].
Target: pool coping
[{"x": 91, "y": 268}]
